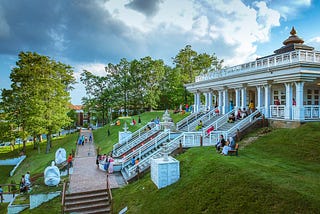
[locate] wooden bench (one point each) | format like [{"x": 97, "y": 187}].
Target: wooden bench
[{"x": 234, "y": 152}]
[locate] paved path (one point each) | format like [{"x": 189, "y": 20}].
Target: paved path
[{"x": 86, "y": 176}]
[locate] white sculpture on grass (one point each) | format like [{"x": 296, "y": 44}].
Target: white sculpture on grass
[
  {"x": 52, "y": 175},
  {"x": 61, "y": 156}
]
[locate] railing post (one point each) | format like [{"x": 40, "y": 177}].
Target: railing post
[{"x": 201, "y": 140}]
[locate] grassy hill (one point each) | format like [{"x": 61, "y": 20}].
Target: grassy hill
[{"x": 279, "y": 173}]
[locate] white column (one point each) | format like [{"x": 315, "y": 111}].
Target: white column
[
  {"x": 220, "y": 101},
  {"x": 225, "y": 108},
  {"x": 299, "y": 109},
  {"x": 259, "y": 97},
  {"x": 206, "y": 96},
  {"x": 198, "y": 102},
  {"x": 288, "y": 108},
  {"x": 267, "y": 94},
  {"x": 195, "y": 102},
  {"x": 210, "y": 105},
  {"x": 237, "y": 104},
  {"x": 243, "y": 97}
]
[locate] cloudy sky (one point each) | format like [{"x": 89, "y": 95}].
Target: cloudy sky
[{"x": 88, "y": 34}]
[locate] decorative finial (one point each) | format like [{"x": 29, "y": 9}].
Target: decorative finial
[
  {"x": 293, "y": 38},
  {"x": 293, "y": 31}
]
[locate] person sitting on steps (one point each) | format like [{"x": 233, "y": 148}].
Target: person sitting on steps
[
  {"x": 199, "y": 126},
  {"x": 231, "y": 118},
  {"x": 209, "y": 130}
]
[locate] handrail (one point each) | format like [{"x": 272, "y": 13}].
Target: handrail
[
  {"x": 134, "y": 140},
  {"x": 170, "y": 149},
  {"x": 64, "y": 189},
  {"x": 141, "y": 149},
  {"x": 243, "y": 123},
  {"x": 138, "y": 133},
  {"x": 10, "y": 191},
  {"x": 109, "y": 194},
  {"x": 186, "y": 119},
  {"x": 222, "y": 120},
  {"x": 202, "y": 118}
]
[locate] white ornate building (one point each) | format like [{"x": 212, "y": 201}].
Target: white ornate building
[{"x": 291, "y": 75}]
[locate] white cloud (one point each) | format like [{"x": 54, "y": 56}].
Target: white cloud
[
  {"x": 314, "y": 40},
  {"x": 95, "y": 68},
  {"x": 201, "y": 26},
  {"x": 238, "y": 26},
  {"x": 79, "y": 89},
  {"x": 290, "y": 9}
]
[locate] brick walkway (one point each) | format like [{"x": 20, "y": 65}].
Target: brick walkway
[{"x": 86, "y": 176}]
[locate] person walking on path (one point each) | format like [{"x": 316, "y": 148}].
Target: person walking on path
[{"x": 1, "y": 194}]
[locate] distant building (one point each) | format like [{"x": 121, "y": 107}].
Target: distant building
[
  {"x": 82, "y": 116},
  {"x": 283, "y": 86}
]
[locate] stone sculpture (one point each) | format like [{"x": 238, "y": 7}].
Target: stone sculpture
[{"x": 52, "y": 175}]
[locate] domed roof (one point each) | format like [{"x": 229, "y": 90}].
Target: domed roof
[{"x": 293, "y": 38}]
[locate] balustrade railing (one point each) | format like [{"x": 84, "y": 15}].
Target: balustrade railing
[
  {"x": 140, "y": 135},
  {"x": 306, "y": 112},
  {"x": 141, "y": 150},
  {"x": 204, "y": 118},
  {"x": 186, "y": 120},
  {"x": 171, "y": 145},
  {"x": 271, "y": 61},
  {"x": 311, "y": 112},
  {"x": 277, "y": 111}
]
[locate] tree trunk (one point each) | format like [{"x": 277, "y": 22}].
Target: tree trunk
[
  {"x": 34, "y": 142},
  {"x": 48, "y": 143},
  {"x": 24, "y": 147}
]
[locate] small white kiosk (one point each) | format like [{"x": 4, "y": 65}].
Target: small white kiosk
[{"x": 165, "y": 170}]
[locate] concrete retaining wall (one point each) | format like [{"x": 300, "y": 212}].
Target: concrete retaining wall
[
  {"x": 16, "y": 208},
  {"x": 37, "y": 199},
  {"x": 13, "y": 161},
  {"x": 14, "y": 169},
  {"x": 284, "y": 124}
]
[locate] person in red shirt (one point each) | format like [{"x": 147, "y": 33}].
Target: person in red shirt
[
  {"x": 134, "y": 122},
  {"x": 209, "y": 130},
  {"x": 69, "y": 160}
]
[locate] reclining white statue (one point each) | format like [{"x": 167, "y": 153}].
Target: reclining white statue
[
  {"x": 52, "y": 175},
  {"x": 61, "y": 156}
]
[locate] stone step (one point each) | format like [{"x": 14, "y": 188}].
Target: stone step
[
  {"x": 82, "y": 201},
  {"x": 90, "y": 207},
  {"x": 78, "y": 195},
  {"x": 98, "y": 211}
]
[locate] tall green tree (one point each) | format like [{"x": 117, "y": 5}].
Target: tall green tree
[
  {"x": 39, "y": 97},
  {"x": 121, "y": 80},
  {"x": 189, "y": 64},
  {"x": 99, "y": 94}
]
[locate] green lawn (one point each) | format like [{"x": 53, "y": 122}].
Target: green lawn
[
  {"x": 279, "y": 173},
  {"x": 5, "y": 170}
]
